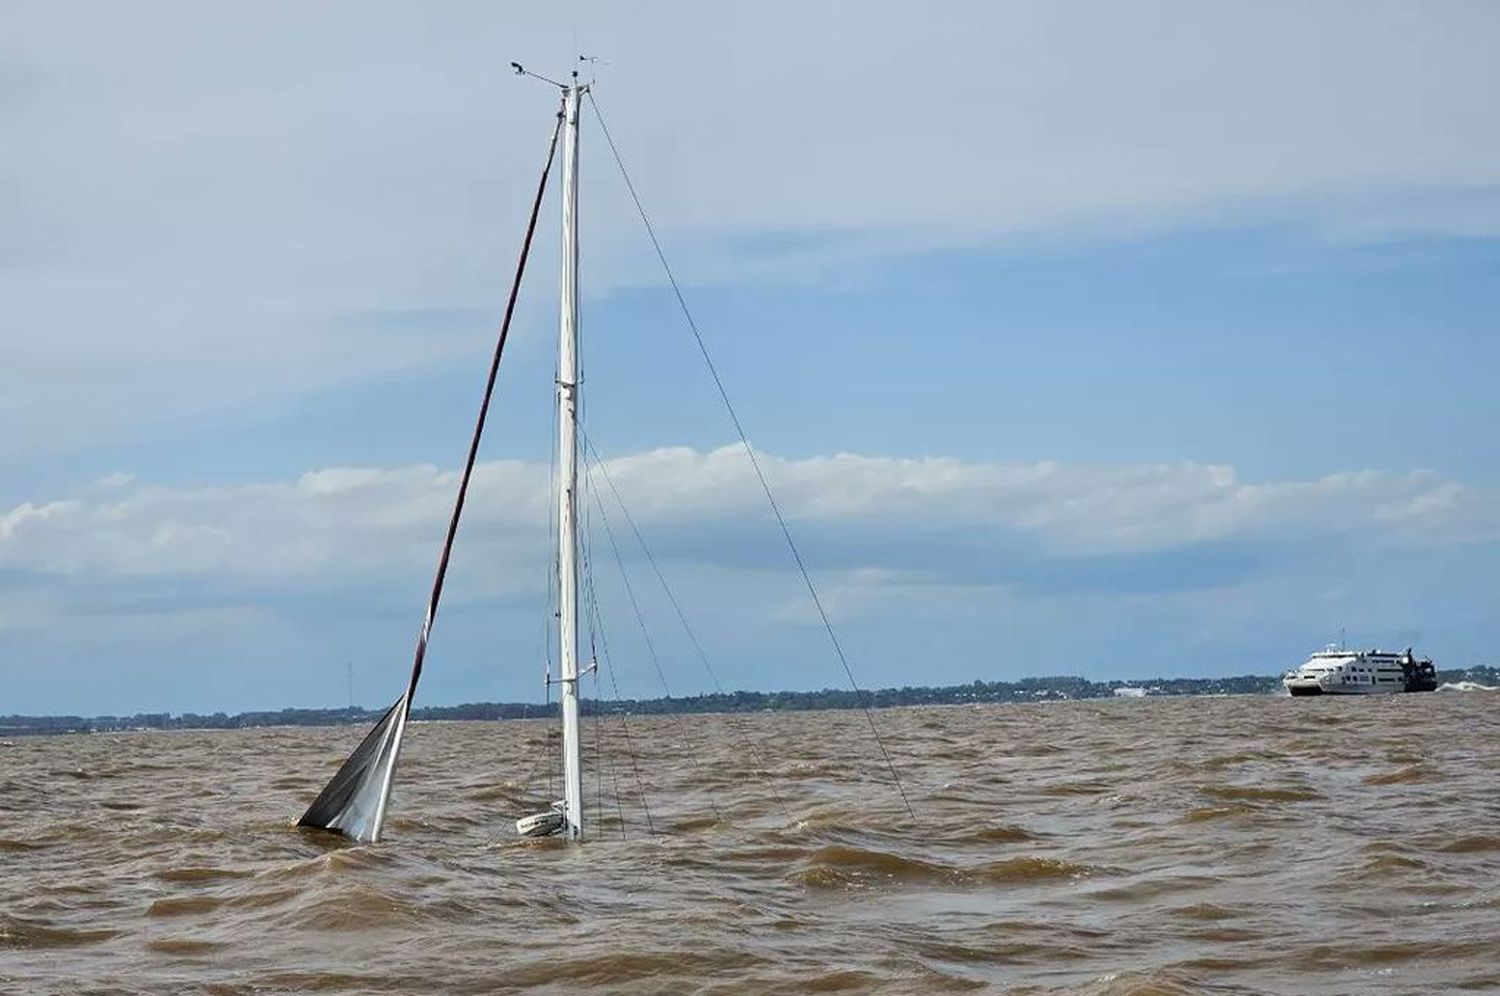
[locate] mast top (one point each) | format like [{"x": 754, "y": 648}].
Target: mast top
[{"x": 574, "y": 85}]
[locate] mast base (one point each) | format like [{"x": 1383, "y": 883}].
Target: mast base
[{"x": 542, "y": 824}]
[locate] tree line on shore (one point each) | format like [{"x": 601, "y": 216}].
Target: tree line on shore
[{"x": 1024, "y": 690}]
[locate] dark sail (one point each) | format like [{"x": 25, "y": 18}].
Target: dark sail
[{"x": 354, "y": 802}]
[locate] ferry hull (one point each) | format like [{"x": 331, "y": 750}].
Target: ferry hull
[
  {"x": 1361, "y": 672},
  {"x": 1309, "y": 690},
  {"x": 1304, "y": 691}
]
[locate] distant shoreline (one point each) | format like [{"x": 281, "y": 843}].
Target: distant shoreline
[{"x": 1051, "y": 689}]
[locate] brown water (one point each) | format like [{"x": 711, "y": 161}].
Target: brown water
[{"x": 1158, "y": 846}]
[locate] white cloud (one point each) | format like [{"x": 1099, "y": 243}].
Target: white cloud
[
  {"x": 221, "y": 207},
  {"x": 254, "y": 595},
  {"x": 331, "y": 525}
]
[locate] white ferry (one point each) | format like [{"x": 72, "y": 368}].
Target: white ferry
[{"x": 1336, "y": 671}]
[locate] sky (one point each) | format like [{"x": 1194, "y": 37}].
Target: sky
[{"x": 1074, "y": 338}]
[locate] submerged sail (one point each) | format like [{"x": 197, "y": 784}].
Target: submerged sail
[{"x": 354, "y": 802}]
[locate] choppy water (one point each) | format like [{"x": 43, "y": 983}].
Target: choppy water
[{"x": 1158, "y": 846}]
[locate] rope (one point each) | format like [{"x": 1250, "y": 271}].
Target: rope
[{"x": 750, "y": 451}]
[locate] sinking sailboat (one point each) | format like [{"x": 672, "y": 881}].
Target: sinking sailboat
[{"x": 354, "y": 802}]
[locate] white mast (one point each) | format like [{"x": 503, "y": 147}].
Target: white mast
[{"x": 567, "y": 492}]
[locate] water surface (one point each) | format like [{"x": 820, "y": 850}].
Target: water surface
[{"x": 1227, "y": 845}]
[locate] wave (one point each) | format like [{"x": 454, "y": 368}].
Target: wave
[
  {"x": 200, "y": 874},
  {"x": 1204, "y": 911},
  {"x": 353, "y": 909},
  {"x": 1078, "y": 788},
  {"x": 1388, "y": 863},
  {"x": 999, "y": 834},
  {"x": 1135, "y": 984},
  {"x": 185, "y": 946},
  {"x": 1467, "y": 686},
  {"x": 1221, "y": 761},
  {"x": 1408, "y": 775},
  {"x": 1024, "y": 870},
  {"x": 1255, "y": 793},
  {"x": 174, "y": 906},
  {"x": 1473, "y": 844},
  {"x": 16, "y": 932},
  {"x": 1203, "y": 814},
  {"x": 840, "y": 865}
]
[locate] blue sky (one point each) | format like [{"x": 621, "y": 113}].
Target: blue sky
[{"x": 1116, "y": 346}]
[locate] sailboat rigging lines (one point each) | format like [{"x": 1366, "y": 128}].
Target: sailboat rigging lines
[
  {"x": 760, "y": 475},
  {"x": 354, "y": 802},
  {"x": 735, "y": 724}
]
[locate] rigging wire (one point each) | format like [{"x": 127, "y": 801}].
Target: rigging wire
[
  {"x": 661, "y": 578},
  {"x": 595, "y": 626},
  {"x": 640, "y": 785},
  {"x": 635, "y": 606},
  {"x": 614, "y": 776},
  {"x": 591, "y": 604},
  {"x": 585, "y": 540},
  {"x": 757, "y": 758},
  {"x": 601, "y": 752},
  {"x": 598, "y": 758},
  {"x": 750, "y": 452}
]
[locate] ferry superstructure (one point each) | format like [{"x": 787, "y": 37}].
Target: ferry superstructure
[{"x": 1361, "y": 672}]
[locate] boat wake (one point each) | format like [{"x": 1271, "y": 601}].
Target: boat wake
[{"x": 1467, "y": 686}]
